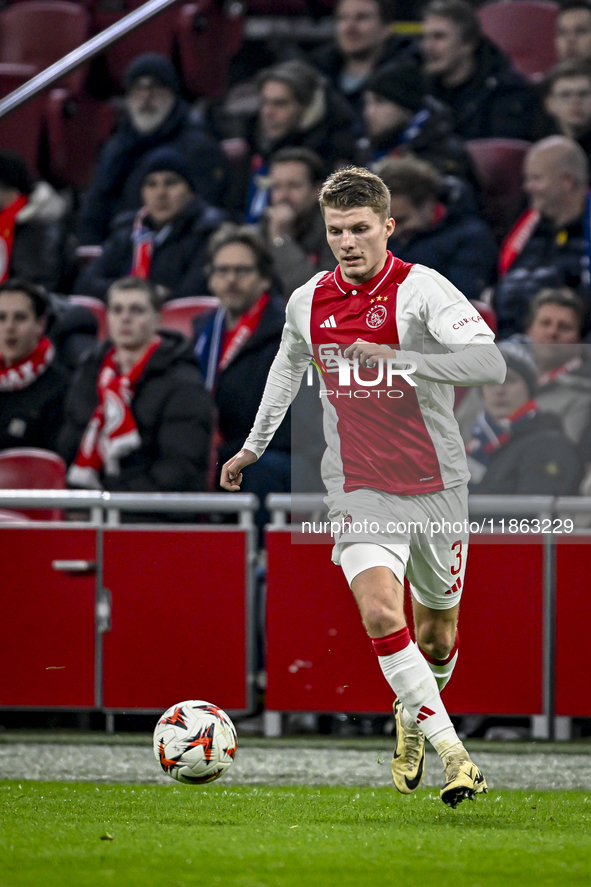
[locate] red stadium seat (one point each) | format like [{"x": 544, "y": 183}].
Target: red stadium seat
[
  {"x": 524, "y": 30},
  {"x": 9, "y": 516},
  {"x": 40, "y": 32},
  {"x": 98, "y": 308},
  {"x": 499, "y": 164},
  {"x": 29, "y": 468},
  {"x": 208, "y": 36},
  {"x": 20, "y": 130},
  {"x": 77, "y": 126},
  {"x": 178, "y": 314},
  {"x": 155, "y": 35}
]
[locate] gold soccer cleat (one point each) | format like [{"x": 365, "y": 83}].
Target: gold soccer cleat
[{"x": 408, "y": 760}]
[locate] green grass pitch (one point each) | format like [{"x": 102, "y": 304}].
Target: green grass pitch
[{"x": 61, "y": 834}]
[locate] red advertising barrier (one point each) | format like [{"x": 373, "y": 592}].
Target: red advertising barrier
[
  {"x": 573, "y": 630},
  {"x": 319, "y": 657},
  {"x": 179, "y": 617},
  {"x": 47, "y": 632}
]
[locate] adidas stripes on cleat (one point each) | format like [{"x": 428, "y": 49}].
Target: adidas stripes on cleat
[
  {"x": 408, "y": 761},
  {"x": 463, "y": 779}
]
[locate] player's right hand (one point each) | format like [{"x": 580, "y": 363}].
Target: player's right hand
[{"x": 231, "y": 477}]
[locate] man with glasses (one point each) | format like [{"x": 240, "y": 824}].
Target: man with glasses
[
  {"x": 567, "y": 99},
  {"x": 235, "y": 347},
  {"x": 156, "y": 116}
]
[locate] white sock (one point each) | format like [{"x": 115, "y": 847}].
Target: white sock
[
  {"x": 443, "y": 668},
  {"x": 410, "y": 677}
]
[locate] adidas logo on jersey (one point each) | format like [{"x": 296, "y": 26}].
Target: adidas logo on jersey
[{"x": 329, "y": 322}]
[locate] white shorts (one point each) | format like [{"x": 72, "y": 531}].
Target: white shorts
[{"x": 423, "y": 537}]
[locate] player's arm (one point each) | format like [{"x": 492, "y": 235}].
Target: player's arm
[
  {"x": 478, "y": 363},
  {"x": 471, "y": 356}
]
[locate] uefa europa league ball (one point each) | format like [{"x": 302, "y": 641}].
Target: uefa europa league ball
[{"x": 195, "y": 742}]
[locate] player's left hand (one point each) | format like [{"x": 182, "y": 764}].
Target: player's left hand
[{"x": 368, "y": 353}]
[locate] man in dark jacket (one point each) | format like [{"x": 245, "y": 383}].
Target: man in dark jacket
[
  {"x": 297, "y": 109},
  {"x": 157, "y": 116},
  {"x": 401, "y": 119},
  {"x": 363, "y": 40},
  {"x": 235, "y": 347},
  {"x": 466, "y": 71},
  {"x": 138, "y": 418},
  {"x": 566, "y": 90},
  {"x": 293, "y": 224},
  {"x": 432, "y": 228},
  {"x": 515, "y": 448},
  {"x": 32, "y": 385},
  {"x": 165, "y": 240},
  {"x": 549, "y": 245}
]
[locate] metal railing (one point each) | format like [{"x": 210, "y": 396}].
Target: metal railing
[
  {"x": 110, "y": 505},
  {"x": 82, "y": 54}
]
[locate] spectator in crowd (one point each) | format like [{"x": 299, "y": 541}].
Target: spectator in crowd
[
  {"x": 548, "y": 245},
  {"x": 573, "y": 31},
  {"x": 431, "y": 228},
  {"x": 567, "y": 99},
  {"x": 297, "y": 109},
  {"x": 237, "y": 344},
  {"x": 553, "y": 329},
  {"x": 32, "y": 384},
  {"x": 400, "y": 119},
  {"x": 156, "y": 116},
  {"x": 293, "y": 224},
  {"x": 165, "y": 240},
  {"x": 363, "y": 40},
  {"x": 138, "y": 418},
  {"x": 466, "y": 71},
  {"x": 32, "y": 226},
  {"x": 515, "y": 447}
]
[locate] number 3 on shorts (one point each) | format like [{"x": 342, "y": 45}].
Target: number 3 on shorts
[{"x": 457, "y": 547}]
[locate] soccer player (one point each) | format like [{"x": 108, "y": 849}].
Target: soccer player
[{"x": 394, "y": 468}]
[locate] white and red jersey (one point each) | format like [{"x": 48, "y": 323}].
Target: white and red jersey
[{"x": 398, "y": 438}]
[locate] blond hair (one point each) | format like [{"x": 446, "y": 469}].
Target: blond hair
[{"x": 354, "y": 187}]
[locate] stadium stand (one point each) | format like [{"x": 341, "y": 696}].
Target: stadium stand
[
  {"x": 178, "y": 314},
  {"x": 512, "y": 26},
  {"x": 498, "y": 164},
  {"x": 99, "y": 310},
  {"x": 30, "y": 468}
]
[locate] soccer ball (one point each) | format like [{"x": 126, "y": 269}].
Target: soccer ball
[{"x": 195, "y": 742}]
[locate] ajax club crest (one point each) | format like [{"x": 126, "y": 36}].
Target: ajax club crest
[{"x": 376, "y": 316}]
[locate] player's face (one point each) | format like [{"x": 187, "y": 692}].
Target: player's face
[
  {"x": 234, "y": 278},
  {"x": 20, "y": 329},
  {"x": 290, "y": 184},
  {"x": 280, "y": 113},
  {"x": 569, "y": 101},
  {"x": 502, "y": 400},
  {"x": 359, "y": 28},
  {"x": 131, "y": 319},
  {"x": 165, "y": 195},
  {"x": 358, "y": 239},
  {"x": 573, "y": 35},
  {"x": 555, "y": 335}
]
